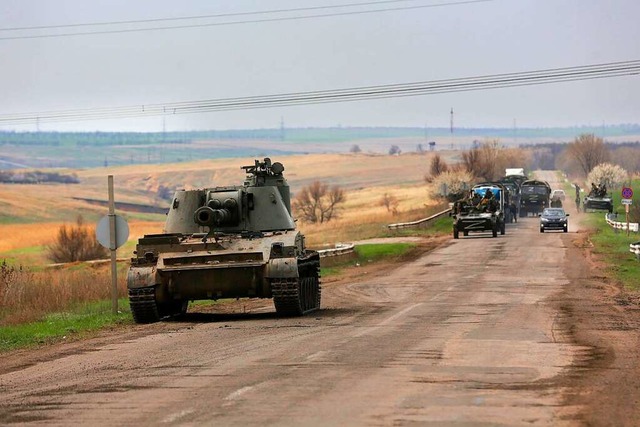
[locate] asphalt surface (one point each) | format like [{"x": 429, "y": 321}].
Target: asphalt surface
[
  {"x": 479, "y": 331},
  {"x": 464, "y": 334}
]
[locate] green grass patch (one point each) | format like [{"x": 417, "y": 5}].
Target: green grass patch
[
  {"x": 10, "y": 219},
  {"x": 374, "y": 252},
  {"x": 439, "y": 226},
  {"x": 369, "y": 253},
  {"x": 58, "y": 326},
  {"x": 613, "y": 246}
]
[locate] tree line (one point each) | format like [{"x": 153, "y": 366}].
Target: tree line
[{"x": 37, "y": 177}]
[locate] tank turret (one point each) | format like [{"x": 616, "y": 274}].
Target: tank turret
[{"x": 226, "y": 242}]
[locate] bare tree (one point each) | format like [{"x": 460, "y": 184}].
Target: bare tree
[
  {"x": 318, "y": 203},
  {"x": 627, "y": 157},
  {"x": 588, "y": 151},
  {"x": 480, "y": 161},
  {"x": 487, "y": 161},
  {"x": 390, "y": 202}
]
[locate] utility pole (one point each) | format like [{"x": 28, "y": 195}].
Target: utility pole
[
  {"x": 451, "y": 127},
  {"x": 281, "y": 128}
]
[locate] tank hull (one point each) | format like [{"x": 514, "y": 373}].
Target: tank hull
[{"x": 177, "y": 269}]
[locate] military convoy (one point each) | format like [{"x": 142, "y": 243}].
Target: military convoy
[
  {"x": 482, "y": 211},
  {"x": 226, "y": 242}
]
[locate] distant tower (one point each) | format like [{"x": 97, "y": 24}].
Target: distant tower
[
  {"x": 515, "y": 133},
  {"x": 451, "y": 127},
  {"x": 164, "y": 124},
  {"x": 281, "y": 128}
]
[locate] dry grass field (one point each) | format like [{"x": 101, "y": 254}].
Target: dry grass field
[{"x": 30, "y": 215}]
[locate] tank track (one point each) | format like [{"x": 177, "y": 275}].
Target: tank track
[
  {"x": 298, "y": 296},
  {"x": 142, "y": 302}
]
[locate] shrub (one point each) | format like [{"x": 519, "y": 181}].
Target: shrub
[
  {"x": 437, "y": 166},
  {"x": 76, "y": 243},
  {"x": 452, "y": 184}
]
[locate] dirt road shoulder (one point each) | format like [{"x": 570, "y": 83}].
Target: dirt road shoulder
[{"x": 605, "y": 318}]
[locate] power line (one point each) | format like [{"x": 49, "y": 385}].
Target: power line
[
  {"x": 494, "y": 81},
  {"x": 219, "y": 15},
  {"x": 216, "y": 24}
]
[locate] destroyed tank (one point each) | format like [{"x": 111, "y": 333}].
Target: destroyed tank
[{"x": 226, "y": 242}]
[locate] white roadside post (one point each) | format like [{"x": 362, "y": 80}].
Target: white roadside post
[
  {"x": 627, "y": 200},
  {"x": 112, "y": 232}
]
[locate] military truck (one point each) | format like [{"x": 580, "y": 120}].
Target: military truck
[
  {"x": 482, "y": 211},
  {"x": 598, "y": 199},
  {"x": 512, "y": 200},
  {"x": 515, "y": 175},
  {"x": 534, "y": 197},
  {"x": 226, "y": 242}
]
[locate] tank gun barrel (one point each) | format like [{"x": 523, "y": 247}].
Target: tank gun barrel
[{"x": 212, "y": 217}]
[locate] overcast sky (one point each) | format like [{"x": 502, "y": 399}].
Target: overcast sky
[{"x": 260, "y": 58}]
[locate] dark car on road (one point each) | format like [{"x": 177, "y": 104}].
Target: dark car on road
[{"x": 554, "y": 219}]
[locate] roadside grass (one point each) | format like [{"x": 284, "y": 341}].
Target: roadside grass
[
  {"x": 361, "y": 224},
  {"x": 374, "y": 252},
  {"x": 74, "y": 319},
  {"x": 29, "y": 296},
  {"x": 80, "y": 319},
  {"x": 368, "y": 253},
  {"x": 612, "y": 246}
]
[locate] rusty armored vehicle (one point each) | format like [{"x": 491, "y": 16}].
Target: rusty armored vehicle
[{"x": 226, "y": 242}]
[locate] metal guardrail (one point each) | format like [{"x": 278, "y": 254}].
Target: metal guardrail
[
  {"x": 621, "y": 225},
  {"x": 419, "y": 222},
  {"x": 340, "y": 249},
  {"x": 634, "y": 248}
]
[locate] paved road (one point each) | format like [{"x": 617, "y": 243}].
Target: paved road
[{"x": 466, "y": 334}]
